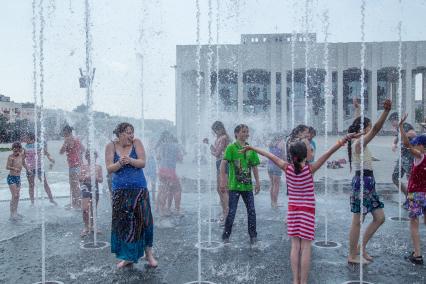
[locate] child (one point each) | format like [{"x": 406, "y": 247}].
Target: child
[
  {"x": 311, "y": 135},
  {"x": 276, "y": 147},
  {"x": 301, "y": 203},
  {"x": 86, "y": 192},
  {"x": 416, "y": 198},
  {"x": 371, "y": 201},
  {"x": 15, "y": 162},
  {"x": 240, "y": 182},
  {"x": 31, "y": 155}
]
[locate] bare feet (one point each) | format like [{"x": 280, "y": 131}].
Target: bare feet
[
  {"x": 366, "y": 255},
  {"x": 357, "y": 260},
  {"x": 124, "y": 264},
  {"x": 53, "y": 202},
  {"x": 84, "y": 233},
  {"x": 152, "y": 262}
]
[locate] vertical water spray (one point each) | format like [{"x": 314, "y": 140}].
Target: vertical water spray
[
  {"x": 41, "y": 96},
  {"x": 197, "y": 59},
  {"x": 34, "y": 55},
  {"x": 284, "y": 77},
  {"x": 89, "y": 102},
  {"x": 327, "y": 95},
  {"x": 210, "y": 110},
  {"x": 217, "y": 55},
  {"x": 362, "y": 185},
  {"x": 399, "y": 107},
  {"x": 306, "y": 59},
  {"x": 140, "y": 56}
]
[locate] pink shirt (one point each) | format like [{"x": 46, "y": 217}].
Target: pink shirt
[{"x": 73, "y": 151}]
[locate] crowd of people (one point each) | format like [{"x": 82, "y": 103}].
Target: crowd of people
[{"x": 131, "y": 170}]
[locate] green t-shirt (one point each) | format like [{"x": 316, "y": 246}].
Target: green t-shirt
[{"x": 239, "y": 178}]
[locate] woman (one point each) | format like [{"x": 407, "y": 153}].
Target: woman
[
  {"x": 217, "y": 150},
  {"x": 132, "y": 223}
]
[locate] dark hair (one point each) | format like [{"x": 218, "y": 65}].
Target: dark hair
[
  {"x": 121, "y": 128},
  {"x": 312, "y": 130},
  {"x": 298, "y": 152},
  {"x": 393, "y": 116},
  {"x": 67, "y": 129},
  {"x": 31, "y": 136},
  {"x": 218, "y": 126},
  {"x": 238, "y": 128},
  {"x": 298, "y": 129},
  {"x": 16, "y": 145},
  {"x": 355, "y": 128}
]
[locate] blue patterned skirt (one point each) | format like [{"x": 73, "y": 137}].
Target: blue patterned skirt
[
  {"x": 132, "y": 223},
  {"x": 371, "y": 200}
]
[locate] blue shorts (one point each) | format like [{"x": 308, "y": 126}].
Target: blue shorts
[
  {"x": 74, "y": 170},
  {"x": 33, "y": 172},
  {"x": 14, "y": 180},
  {"x": 86, "y": 191},
  {"x": 218, "y": 162}
]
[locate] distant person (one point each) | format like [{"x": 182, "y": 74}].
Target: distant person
[
  {"x": 276, "y": 147},
  {"x": 87, "y": 191},
  {"x": 74, "y": 150},
  {"x": 371, "y": 202},
  {"x": 406, "y": 156},
  {"x": 298, "y": 133},
  {"x": 217, "y": 150},
  {"x": 311, "y": 135},
  {"x": 132, "y": 229},
  {"x": 31, "y": 156},
  {"x": 151, "y": 174},
  {"x": 239, "y": 182},
  {"x": 14, "y": 165},
  {"x": 168, "y": 154},
  {"x": 301, "y": 205},
  {"x": 416, "y": 197}
]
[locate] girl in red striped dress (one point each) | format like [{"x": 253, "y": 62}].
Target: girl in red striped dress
[{"x": 301, "y": 203}]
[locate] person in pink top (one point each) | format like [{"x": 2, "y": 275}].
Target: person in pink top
[
  {"x": 416, "y": 197},
  {"x": 74, "y": 150},
  {"x": 301, "y": 200}
]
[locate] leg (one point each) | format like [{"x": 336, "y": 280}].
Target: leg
[
  {"x": 305, "y": 261},
  {"x": 75, "y": 191},
  {"x": 177, "y": 193},
  {"x": 295, "y": 259},
  {"x": 14, "y": 190},
  {"x": 271, "y": 188},
  {"x": 48, "y": 191},
  {"x": 354, "y": 238},
  {"x": 31, "y": 187},
  {"x": 248, "y": 199},
  {"x": 378, "y": 220},
  {"x": 414, "y": 228},
  {"x": 276, "y": 189},
  {"x": 223, "y": 196},
  {"x": 396, "y": 176},
  {"x": 233, "y": 204},
  {"x": 85, "y": 206}
]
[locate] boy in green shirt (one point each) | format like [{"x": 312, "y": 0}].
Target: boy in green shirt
[{"x": 240, "y": 181}]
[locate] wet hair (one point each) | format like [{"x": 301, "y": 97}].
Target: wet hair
[
  {"x": 355, "y": 128},
  {"x": 121, "y": 128},
  {"x": 297, "y": 130},
  {"x": 298, "y": 152},
  {"x": 218, "y": 127},
  {"x": 238, "y": 128},
  {"x": 312, "y": 131},
  {"x": 393, "y": 116},
  {"x": 16, "y": 145},
  {"x": 67, "y": 129}
]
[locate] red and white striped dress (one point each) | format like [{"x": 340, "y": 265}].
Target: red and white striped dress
[{"x": 301, "y": 203}]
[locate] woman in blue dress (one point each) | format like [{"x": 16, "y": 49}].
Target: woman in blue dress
[{"x": 132, "y": 222}]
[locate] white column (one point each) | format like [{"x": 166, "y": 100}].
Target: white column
[
  {"x": 240, "y": 91},
  {"x": 273, "y": 100},
  {"x": 409, "y": 94},
  {"x": 329, "y": 99},
  {"x": 178, "y": 106},
  {"x": 284, "y": 118},
  {"x": 340, "y": 99},
  {"x": 424, "y": 96},
  {"x": 373, "y": 96}
]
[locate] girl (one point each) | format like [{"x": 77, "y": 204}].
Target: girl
[
  {"x": 301, "y": 203},
  {"x": 371, "y": 202},
  {"x": 276, "y": 147},
  {"x": 416, "y": 198},
  {"x": 240, "y": 182},
  {"x": 31, "y": 155},
  {"x": 14, "y": 164},
  {"x": 217, "y": 150}
]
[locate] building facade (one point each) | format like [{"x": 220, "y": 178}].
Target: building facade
[
  {"x": 16, "y": 111},
  {"x": 254, "y": 75}
]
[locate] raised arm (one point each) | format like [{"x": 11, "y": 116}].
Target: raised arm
[
  {"x": 387, "y": 105},
  {"x": 277, "y": 161},
  {"x": 405, "y": 141}
]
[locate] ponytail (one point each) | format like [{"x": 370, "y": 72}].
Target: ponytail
[
  {"x": 355, "y": 128},
  {"x": 298, "y": 153}
]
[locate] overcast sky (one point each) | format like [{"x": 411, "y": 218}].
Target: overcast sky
[{"x": 116, "y": 33}]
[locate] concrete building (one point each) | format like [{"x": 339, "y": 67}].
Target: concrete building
[
  {"x": 9, "y": 109},
  {"x": 254, "y": 74}
]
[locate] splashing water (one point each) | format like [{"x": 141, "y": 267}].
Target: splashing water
[
  {"x": 217, "y": 56},
  {"x": 293, "y": 39},
  {"x": 399, "y": 107},
  {"x": 307, "y": 17}
]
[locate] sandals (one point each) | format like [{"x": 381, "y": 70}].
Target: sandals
[{"x": 417, "y": 260}]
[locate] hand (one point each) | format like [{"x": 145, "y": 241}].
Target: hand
[
  {"x": 387, "y": 105},
  {"x": 245, "y": 149},
  {"x": 404, "y": 117},
  {"x": 222, "y": 185},
  {"x": 206, "y": 141},
  {"x": 257, "y": 188},
  {"x": 124, "y": 160}
]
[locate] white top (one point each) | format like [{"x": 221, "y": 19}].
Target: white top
[{"x": 367, "y": 159}]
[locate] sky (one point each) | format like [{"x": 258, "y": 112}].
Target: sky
[{"x": 123, "y": 29}]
